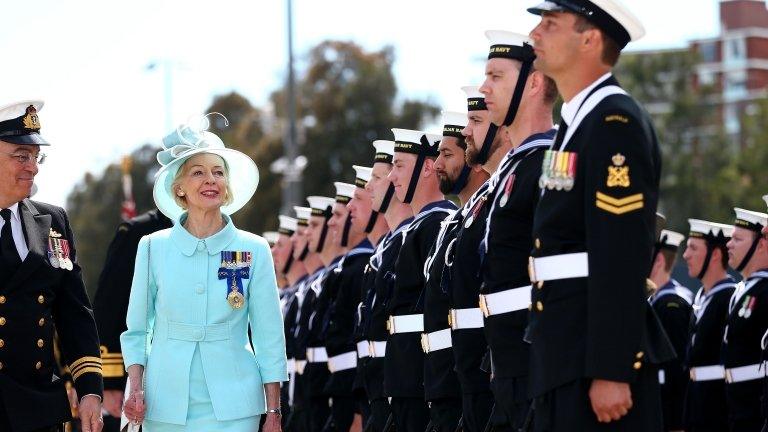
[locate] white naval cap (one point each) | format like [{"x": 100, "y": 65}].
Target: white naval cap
[
  {"x": 302, "y": 215},
  {"x": 362, "y": 175},
  {"x": 287, "y": 225},
  {"x": 670, "y": 239},
  {"x": 320, "y": 205},
  {"x": 710, "y": 231},
  {"x": 751, "y": 220},
  {"x": 344, "y": 192},
  {"x": 409, "y": 141},
  {"x": 509, "y": 45},
  {"x": 385, "y": 151},
  {"x": 475, "y": 99},
  {"x": 765, "y": 198},
  {"x": 610, "y": 16},
  {"x": 271, "y": 237},
  {"x": 453, "y": 123}
]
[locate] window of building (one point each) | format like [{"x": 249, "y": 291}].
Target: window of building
[
  {"x": 708, "y": 52},
  {"x": 735, "y": 85},
  {"x": 734, "y": 50}
]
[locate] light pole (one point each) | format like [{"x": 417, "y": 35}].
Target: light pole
[
  {"x": 291, "y": 170},
  {"x": 167, "y": 66}
]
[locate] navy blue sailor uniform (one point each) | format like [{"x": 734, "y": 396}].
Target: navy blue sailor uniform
[
  {"x": 594, "y": 233},
  {"x": 382, "y": 266},
  {"x": 672, "y": 303},
  {"x": 504, "y": 242},
  {"x": 441, "y": 386},
  {"x": 705, "y": 395},
  {"x": 746, "y": 324},
  {"x": 403, "y": 365},
  {"x": 40, "y": 295},
  {"x": 302, "y": 402},
  {"x": 290, "y": 307},
  {"x": 316, "y": 372},
  {"x": 339, "y": 338}
]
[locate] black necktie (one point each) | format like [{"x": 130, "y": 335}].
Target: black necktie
[{"x": 7, "y": 245}]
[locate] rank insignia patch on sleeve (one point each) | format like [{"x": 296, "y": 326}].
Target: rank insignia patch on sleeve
[
  {"x": 618, "y": 174},
  {"x": 619, "y": 206}
]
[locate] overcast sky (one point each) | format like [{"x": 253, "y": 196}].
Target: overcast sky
[{"x": 88, "y": 59}]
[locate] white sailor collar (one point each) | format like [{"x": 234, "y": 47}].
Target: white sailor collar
[{"x": 569, "y": 109}]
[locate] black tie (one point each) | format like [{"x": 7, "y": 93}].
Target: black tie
[{"x": 7, "y": 245}]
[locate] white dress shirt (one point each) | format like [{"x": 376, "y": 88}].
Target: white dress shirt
[
  {"x": 17, "y": 231},
  {"x": 569, "y": 109}
]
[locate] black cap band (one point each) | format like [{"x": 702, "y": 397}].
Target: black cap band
[
  {"x": 453, "y": 131},
  {"x": 383, "y": 157},
  {"x": 476, "y": 104}
]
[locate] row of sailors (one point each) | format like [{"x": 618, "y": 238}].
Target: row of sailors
[{"x": 419, "y": 315}]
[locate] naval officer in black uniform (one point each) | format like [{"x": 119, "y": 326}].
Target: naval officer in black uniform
[
  {"x": 416, "y": 184},
  {"x": 594, "y": 232},
  {"x": 382, "y": 264},
  {"x": 519, "y": 101},
  {"x": 672, "y": 303},
  {"x": 441, "y": 386},
  {"x": 707, "y": 259},
  {"x": 41, "y": 293},
  {"x": 747, "y": 322},
  {"x": 110, "y": 304},
  {"x": 340, "y": 317}
]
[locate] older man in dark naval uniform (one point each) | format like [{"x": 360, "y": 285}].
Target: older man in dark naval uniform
[
  {"x": 596, "y": 342},
  {"x": 41, "y": 293}
]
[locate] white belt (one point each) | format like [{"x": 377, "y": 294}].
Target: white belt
[
  {"x": 291, "y": 366},
  {"x": 554, "y": 267},
  {"x": 300, "y": 364},
  {"x": 510, "y": 300},
  {"x": 707, "y": 373},
  {"x": 662, "y": 376},
  {"x": 436, "y": 341},
  {"x": 377, "y": 349},
  {"x": 745, "y": 373},
  {"x": 363, "y": 349},
  {"x": 405, "y": 323},
  {"x": 460, "y": 319},
  {"x": 342, "y": 362},
  {"x": 317, "y": 355}
]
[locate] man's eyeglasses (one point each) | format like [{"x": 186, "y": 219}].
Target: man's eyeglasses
[{"x": 25, "y": 158}]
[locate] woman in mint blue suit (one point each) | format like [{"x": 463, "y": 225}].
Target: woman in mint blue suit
[{"x": 197, "y": 288}]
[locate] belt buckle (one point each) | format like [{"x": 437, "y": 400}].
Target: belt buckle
[
  {"x": 728, "y": 376},
  {"x": 310, "y": 355},
  {"x": 483, "y": 304},
  {"x": 451, "y": 318},
  {"x": 425, "y": 342},
  {"x": 692, "y": 374},
  {"x": 532, "y": 269},
  {"x": 391, "y": 324},
  {"x": 371, "y": 349}
]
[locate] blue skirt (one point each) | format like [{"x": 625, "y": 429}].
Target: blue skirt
[{"x": 200, "y": 416}]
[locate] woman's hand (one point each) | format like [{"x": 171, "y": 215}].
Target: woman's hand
[
  {"x": 134, "y": 408},
  {"x": 272, "y": 423}
]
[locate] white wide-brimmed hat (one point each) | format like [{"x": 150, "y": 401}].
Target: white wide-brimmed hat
[{"x": 192, "y": 139}]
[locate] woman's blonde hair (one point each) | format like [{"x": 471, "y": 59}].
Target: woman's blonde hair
[{"x": 181, "y": 201}]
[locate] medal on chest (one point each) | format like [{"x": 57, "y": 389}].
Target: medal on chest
[
  {"x": 507, "y": 190},
  {"x": 746, "y": 306},
  {"x": 558, "y": 170},
  {"x": 235, "y": 266},
  {"x": 59, "y": 251},
  {"x": 475, "y": 211}
]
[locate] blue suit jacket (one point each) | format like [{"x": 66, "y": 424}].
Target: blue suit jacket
[{"x": 180, "y": 304}]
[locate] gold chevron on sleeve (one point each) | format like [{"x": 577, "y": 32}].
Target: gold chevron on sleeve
[{"x": 619, "y": 206}]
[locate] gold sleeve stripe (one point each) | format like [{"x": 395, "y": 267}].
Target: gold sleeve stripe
[
  {"x": 619, "y": 202},
  {"x": 86, "y": 366},
  {"x": 81, "y": 360},
  {"x": 114, "y": 371},
  {"x": 84, "y": 370},
  {"x": 619, "y": 210}
]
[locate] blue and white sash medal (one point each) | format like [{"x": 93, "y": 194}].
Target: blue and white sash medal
[{"x": 235, "y": 266}]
